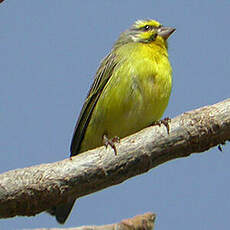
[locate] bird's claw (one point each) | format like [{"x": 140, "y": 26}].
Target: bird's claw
[
  {"x": 111, "y": 142},
  {"x": 164, "y": 122}
]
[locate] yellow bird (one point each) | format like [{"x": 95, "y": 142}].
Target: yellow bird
[{"x": 131, "y": 90}]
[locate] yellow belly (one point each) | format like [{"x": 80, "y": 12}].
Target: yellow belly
[{"x": 136, "y": 95}]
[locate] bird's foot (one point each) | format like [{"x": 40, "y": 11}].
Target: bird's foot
[
  {"x": 111, "y": 142},
  {"x": 164, "y": 122}
]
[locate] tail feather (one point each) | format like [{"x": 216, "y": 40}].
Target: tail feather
[{"x": 62, "y": 211}]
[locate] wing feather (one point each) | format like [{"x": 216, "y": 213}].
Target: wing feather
[{"x": 102, "y": 76}]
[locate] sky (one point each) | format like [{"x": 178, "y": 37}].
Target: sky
[{"x": 49, "y": 53}]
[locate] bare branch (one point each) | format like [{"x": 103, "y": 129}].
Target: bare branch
[
  {"x": 35, "y": 189},
  {"x": 144, "y": 221}
]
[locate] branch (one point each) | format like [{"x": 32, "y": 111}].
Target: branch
[
  {"x": 145, "y": 222},
  {"x": 32, "y": 190}
]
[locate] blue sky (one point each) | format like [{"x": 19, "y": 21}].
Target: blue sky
[{"x": 49, "y": 52}]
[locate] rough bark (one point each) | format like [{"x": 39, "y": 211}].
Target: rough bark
[
  {"x": 32, "y": 190},
  {"x": 140, "y": 222}
]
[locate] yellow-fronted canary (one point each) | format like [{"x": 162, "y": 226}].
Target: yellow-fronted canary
[{"x": 131, "y": 90}]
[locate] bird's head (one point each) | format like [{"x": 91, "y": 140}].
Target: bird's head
[{"x": 146, "y": 31}]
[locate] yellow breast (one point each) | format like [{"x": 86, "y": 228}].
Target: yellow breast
[{"x": 135, "y": 96}]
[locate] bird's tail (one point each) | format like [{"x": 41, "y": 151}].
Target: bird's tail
[{"x": 62, "y": 211}]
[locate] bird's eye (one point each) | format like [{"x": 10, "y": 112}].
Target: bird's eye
[{"x": 147, "y": 27}]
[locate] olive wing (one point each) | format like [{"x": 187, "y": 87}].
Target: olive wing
[{"x": 102, "y": 76}]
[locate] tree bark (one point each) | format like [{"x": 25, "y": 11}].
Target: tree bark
[
  {"x": 32, "y": 190},
  {"x": 140, "y": 222}
]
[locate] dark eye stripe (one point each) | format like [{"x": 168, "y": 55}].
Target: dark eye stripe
[
  {"x": 146, "y": 28},
  {"x": 149, "y": 27}
]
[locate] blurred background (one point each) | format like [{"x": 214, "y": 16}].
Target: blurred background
[{"x": 49, "y": 53}]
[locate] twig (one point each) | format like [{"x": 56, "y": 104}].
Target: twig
[{"x": 140, "y": 222}]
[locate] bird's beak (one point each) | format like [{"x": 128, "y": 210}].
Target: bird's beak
[{"x": 165, "y": 32}]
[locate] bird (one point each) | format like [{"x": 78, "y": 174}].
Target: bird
[{"x": 130, "y": 91}]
